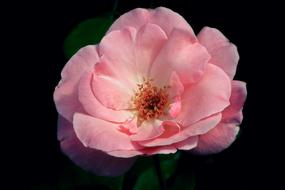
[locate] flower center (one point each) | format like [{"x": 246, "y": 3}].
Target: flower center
[{"x": 150, "y": 100}]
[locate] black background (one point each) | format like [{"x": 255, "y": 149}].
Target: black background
[{"x": 35, "y": 36}]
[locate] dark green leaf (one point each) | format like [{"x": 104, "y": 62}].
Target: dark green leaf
[
  {"x": 147, "y": 180},
  {"x": 168, "y": 164},
  {"x": 88, "y": 32}
]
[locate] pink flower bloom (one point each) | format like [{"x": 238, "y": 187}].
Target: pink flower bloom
[{"x": 150, "y": 87}]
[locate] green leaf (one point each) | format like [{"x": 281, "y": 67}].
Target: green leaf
[
  {"x": 147, "y": 180},
  {"x": 88, "y": 32},
  {"x": 168, "y": 164}
]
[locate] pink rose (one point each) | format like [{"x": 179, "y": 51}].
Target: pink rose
[{"x": 150, "y": 87}]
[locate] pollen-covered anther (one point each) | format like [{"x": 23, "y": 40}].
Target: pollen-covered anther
[{"x": 150, "y": 100}]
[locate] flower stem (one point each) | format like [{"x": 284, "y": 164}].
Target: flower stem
[{"x": 158, "y": 172}]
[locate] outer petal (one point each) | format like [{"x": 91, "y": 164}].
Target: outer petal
[
  {"x": 224, "y": 54},
  {"x": 217, "y": 139},
  {"x": 93, "y": 107},
  {"x": 99, "y": 134},
  {"x": 183, "y": 55},
  {"x": 92, "y": 160},
  {"x": 161, "y": 16},
  {"x": 65, "y": 94},
  {"x": 225, "y": 133},
  {"x": 233, "y": 113},
  {"x": 207, "y": 97}
]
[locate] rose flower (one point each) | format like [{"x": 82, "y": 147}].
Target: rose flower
[{"x": 151, "y": 86}]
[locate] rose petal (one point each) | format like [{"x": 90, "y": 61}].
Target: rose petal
[
  {"x": 176, "y": 88},
  {"x": 203, "y": 126},
  {"x": 233, "y": 113},
  {"x": 99, "y": 134},
  {"x": 147, "y": 151},
  {"x": 207, "y": 97},
  {"x": 217, "y": 139},
  {"x": 198, "y": 128},
  {"x": 148, "y": 130},
  {"x": 224, "y": 54},
  {"x": 65, "y": 94},
  {"x": 117, "y": 47},
  {"x": 187, "y": 144},
  {"x": 182, "y": 54},
  {"x": 160, "y": 150},
  {"x": 93, "y": 107},
  {"x": 89, "y": 159},
  {"x": 125, "y": 153},
  {"x": 149, "y": 40},
  {"x": 175, "y": 107},
  {"x": 112, "y": 93},
  {"x": 225, "y": 133},
  {"x": 161, "y": 16}
]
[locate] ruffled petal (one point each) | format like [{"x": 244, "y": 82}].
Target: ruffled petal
[
  {"x": 65, "y": 94},
  {"x": 161, "y": 16},
  {"x": 93, "y": 107},
  {"x": 148, "y": 130},
  {"x": 175, "y": 85},
  {"x": 233, "y": 113},
  {"x": 99, "y": 134},
  {"x": 89, "y": 159},
  {"x": 187, "y": 144},
  {"x": 224, "y": 54},
  {"x": 182, "y": 54},
  {"x": 198, "y": 128},
  {"x": 207, "y": 97},
  {"x": 175, "y": 107},
  {"x": 112, "y": 93},
  {"x": 149, "y": 40},
  {"x": 118, "y": 49},
  {"x": 217, "y": 139},
  {"x": 225, "y": 133},
  {"x": 146, "y": 152}
]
